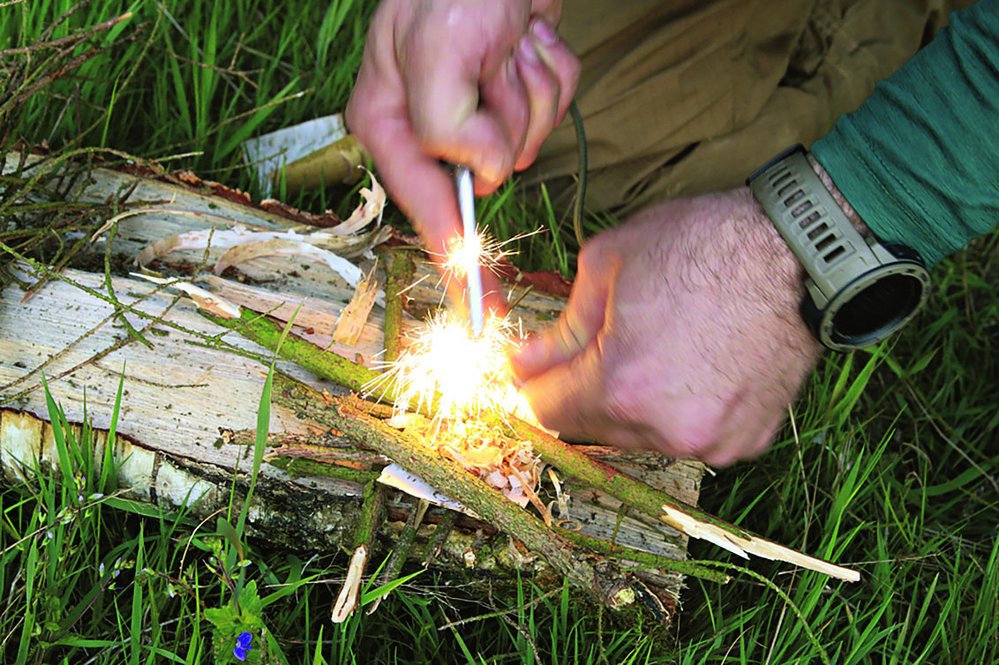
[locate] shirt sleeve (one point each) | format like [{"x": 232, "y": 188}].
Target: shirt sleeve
[{"x": 919, "y": 160}]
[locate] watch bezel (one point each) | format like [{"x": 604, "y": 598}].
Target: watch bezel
[
  {"x": 840, "y": 263},
  {"x": 823, "y": 321}
]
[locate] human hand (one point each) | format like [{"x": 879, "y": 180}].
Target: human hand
[
  {"x": 681, "y": 334},
  {"x": 474, "y": 82}
]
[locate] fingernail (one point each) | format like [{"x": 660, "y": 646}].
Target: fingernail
[
  {"x": 544, "y": 32},
  {"x": 491, "y": 171},
  {"x": 527, "y": 52}
]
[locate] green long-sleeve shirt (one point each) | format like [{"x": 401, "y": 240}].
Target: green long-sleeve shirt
[{"x": 919, "y": 160}]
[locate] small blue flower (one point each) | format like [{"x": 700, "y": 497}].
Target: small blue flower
[{"x": 243, "y": 648}]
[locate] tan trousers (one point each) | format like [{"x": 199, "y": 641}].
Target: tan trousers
[{"x": 682, "y": 97}]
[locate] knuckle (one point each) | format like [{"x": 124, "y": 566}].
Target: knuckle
[
  {"x": 764, "y": 441},
  {"x": 519, "y": 123},
  {"x": 431, "y": 134},
  {"x": 352, "y": 116},
  {"x": 693, "y": 442},
  {"x": 566, "y": 337},
  {"x": 723, "y": 458},
  {"x": 599, "y": 254},
  {"x": 590, "y": 254},
  {"x": 544, "y": 84}
]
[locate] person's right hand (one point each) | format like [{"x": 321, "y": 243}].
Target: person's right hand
[
  {"x": 475, "y": 82},
  {"x": 681, "y": 334}
]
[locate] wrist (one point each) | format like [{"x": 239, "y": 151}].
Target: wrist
[
  {"x": 770, "y": 249},
  {"x": 858, "y": 290},
  {"x": 779, "y": 278},
  {"x": 838, "y": 197}
]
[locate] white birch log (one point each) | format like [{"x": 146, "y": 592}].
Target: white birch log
[{"x": 189, "y": 410}]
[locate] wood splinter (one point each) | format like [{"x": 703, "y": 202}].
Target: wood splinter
[{"x": 367, "y": 530}]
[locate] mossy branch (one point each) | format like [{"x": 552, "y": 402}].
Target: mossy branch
[
  {"x": 666, "y": 508},
  {"x": 372, "y": 507},
  {"x": 403, "y": 548},
  {"x": 602, "y": 476},
  {"x": 325, "y": 364},
  {"x": 400, "y": 269},
  {"x": 653, "y": 561}
]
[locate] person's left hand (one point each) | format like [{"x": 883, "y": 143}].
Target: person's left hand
[
  {"x": 475, "y": 82},
  {"x": 682, "y": 334}
]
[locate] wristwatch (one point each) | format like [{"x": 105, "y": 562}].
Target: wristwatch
[{"x": 858, "y": 290}]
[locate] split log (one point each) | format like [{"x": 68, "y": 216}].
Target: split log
[{"x": 189, "y": 409}]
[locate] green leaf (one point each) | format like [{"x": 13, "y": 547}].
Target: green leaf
[
  {"x": 222, "y": 618},
  {"x": 387, "y": 588},
  {"x": 231, "y": 535},
  {"x": 249, "y": 602}
]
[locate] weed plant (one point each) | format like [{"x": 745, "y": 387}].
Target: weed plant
[{"x": 890, "y": 463}]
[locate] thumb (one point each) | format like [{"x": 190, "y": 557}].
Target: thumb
[
  {"x": 568, "y": 398},
  {"x": 578, "y": 326}
]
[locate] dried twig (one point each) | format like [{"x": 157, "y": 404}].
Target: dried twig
[{"x": 68, "y": 40}]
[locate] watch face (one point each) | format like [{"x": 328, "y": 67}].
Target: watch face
[
  {"x": 875, "y": 305},
  {"x": 886, "y": 302}
]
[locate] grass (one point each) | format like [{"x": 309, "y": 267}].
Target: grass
[{"x": 891, "y": 465}]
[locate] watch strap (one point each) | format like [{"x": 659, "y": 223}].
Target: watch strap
[{"x": 812, "y": 224}]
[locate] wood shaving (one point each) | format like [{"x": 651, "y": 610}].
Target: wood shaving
[
  {"x": 370, "y": 210},
  {"x": 290, "y": 248},
  {"x": 505, "y": 464},
  {"x": 562, "y": 495},
  {"x": 353, "y": 317},
  {"x": 345, "y": 246},
  {"x": 330, "y": 245},
  {"x": 347, "y": 600},
  {"x": 205, "y": 300}
]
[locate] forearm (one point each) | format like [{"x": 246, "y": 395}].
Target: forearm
[{"x": 918, "y": 160}]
